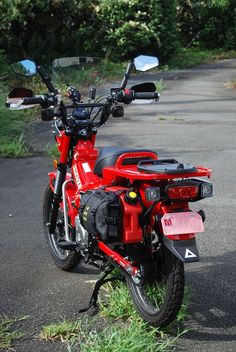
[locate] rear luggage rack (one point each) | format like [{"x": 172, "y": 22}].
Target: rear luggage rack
[{"x": 165, "y": 166}]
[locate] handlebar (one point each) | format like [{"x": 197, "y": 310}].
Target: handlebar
[
  {"x": 128, "y": 95},
  {"x": 146, "y": 95},
  {"x": 34, "y": 100}
]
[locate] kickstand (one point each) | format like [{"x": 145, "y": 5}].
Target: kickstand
[{"x": 101, "y": 281}]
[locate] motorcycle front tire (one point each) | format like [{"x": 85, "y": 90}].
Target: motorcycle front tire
[{"x": 64, "y": 259}]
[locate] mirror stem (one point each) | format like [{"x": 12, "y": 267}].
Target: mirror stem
[
  {"x": 47, "y": 80},
  {"x": 127, "y": 74}
]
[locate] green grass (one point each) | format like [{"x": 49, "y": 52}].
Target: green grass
[
  {"x": 12, "y": 128},
  {"x": 124, "y": 329},
  {"x": 7, "y": 335},
  {"x": 195, "y": 56},
  {"x": 13, "y": 123},
  {"x": 160, "y": 86},
  {"x": 65, "y": 331},
  {"x": 52, "y": 151},
  {"x": 116, "y": 303},
  {"x": 133, "y": 337},
  {"x": 91, "y": 75}
]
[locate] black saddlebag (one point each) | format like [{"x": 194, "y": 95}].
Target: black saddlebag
[{"x": 100, "y": 214}]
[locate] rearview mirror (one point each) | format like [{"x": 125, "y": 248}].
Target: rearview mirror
[
  {"x": 145, "y": 63},
  {"x": 25, "y": 68}
]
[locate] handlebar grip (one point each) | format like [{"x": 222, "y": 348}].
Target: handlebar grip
[
  {"x": 33, "y": 100},
  {"x": 146, "y": 95}
]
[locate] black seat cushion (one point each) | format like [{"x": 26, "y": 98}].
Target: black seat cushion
[{"x": 108, "y": 156}]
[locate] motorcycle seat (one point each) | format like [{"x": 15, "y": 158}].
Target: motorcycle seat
[{"x": 109, "y": 155}]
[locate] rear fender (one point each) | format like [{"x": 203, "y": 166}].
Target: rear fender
[
  {"x": 178, "y": 226},
  {"x": 185, "y": 250}
]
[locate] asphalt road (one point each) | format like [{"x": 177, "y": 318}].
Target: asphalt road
[{"x": 195, "y": 122}]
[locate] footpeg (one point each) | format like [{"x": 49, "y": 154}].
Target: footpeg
[{"x": 67, "y": 245}]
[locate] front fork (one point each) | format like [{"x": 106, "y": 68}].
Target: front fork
[{"x": 60, "y": 178}]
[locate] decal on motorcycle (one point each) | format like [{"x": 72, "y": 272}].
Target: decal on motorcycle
[
  {"x": 76, "y": 174},
  {"x": 86, "y": 167},
  {"x": 168, "y": 222},
  {"x": 189, "y": 254}
]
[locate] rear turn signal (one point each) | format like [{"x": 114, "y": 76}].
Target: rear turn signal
[
  {"x": 206, "y": 189},
  {"x": 153, "y": 194}
]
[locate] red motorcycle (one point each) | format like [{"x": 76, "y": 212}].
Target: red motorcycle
[{"x": 117, "y": 207}]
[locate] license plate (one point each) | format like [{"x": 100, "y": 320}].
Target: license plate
[{"x": 182, "y": 223}]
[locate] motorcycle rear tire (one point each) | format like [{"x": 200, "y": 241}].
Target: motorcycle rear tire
[
  {"x": 64, "y": 259},
  {"x": 163, "y": 313}
]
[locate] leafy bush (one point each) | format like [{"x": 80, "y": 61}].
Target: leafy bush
[
  {"x": 210, "y": 23},
  {"x": 133, "y": 26},
  {"x": 99, "y": 27}
]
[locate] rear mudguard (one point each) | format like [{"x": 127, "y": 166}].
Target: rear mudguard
[{"x": 185, "y": 250}]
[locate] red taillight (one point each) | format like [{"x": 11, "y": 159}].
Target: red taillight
[{"x": 182, "y": 192}]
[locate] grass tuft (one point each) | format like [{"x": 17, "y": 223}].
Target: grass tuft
[
  {"x": 195, "y": 56},
  {"x": 52, "y": 151},
  {"x": 116, "y": 302},
  {"x": 12, "y": 127},
  {"x": 63, "y": 331},
  {"x": 133, "y": 337},
  {"x": 125, "y": 330},
  {"x": 15, "y": 148},
  {"x": 7, "y": 336}
]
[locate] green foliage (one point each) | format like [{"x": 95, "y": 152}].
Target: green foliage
[
  {"x": 211, "y": 24},
  {"x": 117, "y": 29},
  {"x": 52, "y": 151},
  {"x": 7, "y": 336},
  {"x": 15, "y": 148},
  {"x": 43, "y": 29},
  {"x": 117, "y": 304},
  {"x": 131, "y": 27},
  {"x": 13, "y": 124},
  {"x": 64, "y": 331},
  {"x": 113, "y": 29},
  {"x": 195, "y": 56},
  {"x": 90, "y": 74},
  {"x": 133, "y": 337}
]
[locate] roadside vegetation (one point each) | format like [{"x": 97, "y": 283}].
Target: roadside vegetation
[
  {"x": 15, "y": 124},
  {"x": 182, "y": 33},
  {"x": 118, "y": 327},
  {"x": 8, "y": 333}
]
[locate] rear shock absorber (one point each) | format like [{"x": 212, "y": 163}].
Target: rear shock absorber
[{"x": 60, "y": 178}]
